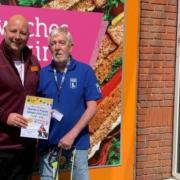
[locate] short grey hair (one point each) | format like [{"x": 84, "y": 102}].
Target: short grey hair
[{"x": 58, "y": 30}]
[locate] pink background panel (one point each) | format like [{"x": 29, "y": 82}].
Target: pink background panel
[{"x": 85, "y": 27}]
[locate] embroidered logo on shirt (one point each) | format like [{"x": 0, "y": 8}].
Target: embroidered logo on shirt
[
  {"x": 34, "y": 68},
  {"x": 73, "y": 83}
]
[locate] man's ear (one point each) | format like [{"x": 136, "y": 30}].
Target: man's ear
[
  {"x": 5, "y": 29},
  {"x": 71, "y": 47},
  {"x": 49, "y": 46},
  {"x": 28, "y": 34}
]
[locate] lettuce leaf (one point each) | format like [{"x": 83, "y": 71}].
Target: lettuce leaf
[
  {"x": 114, "y": 153},
  {"x": 31, "y": 2},
  {"x": 115, "y": 66},
  {"x": 109, "y": 6}
]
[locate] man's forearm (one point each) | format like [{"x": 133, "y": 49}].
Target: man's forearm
[{"x": 85, "y": 118}]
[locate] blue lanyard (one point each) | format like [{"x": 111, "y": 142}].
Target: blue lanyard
[{"x": 63, "y": 78}]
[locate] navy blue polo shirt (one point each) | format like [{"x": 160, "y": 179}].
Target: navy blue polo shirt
[{"x": 80, "y": 85}]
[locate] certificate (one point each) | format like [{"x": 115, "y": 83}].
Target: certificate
[{"x": 37, "y": 111}]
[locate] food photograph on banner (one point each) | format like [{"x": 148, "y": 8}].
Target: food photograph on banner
[{"x": 98, "y": 30}]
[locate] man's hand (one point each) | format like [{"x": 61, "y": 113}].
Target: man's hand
[
  {"x": 66, "y": 141},
  {"x": 17, "y": 120}
]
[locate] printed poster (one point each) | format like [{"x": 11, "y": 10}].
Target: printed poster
[
  {"x": 38, "y": 112},
  {"x": 99, "y": 37}
]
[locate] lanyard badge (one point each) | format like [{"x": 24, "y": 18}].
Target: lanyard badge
[{"x": 62, "y": 79}]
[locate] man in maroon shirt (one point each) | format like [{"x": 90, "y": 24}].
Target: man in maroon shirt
[{"x": 18, "y": 78}]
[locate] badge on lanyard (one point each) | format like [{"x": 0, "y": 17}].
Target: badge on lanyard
[{"x": 57, "y": 115}]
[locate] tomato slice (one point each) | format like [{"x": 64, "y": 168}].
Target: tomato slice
[{"x": 109, "y": 86}]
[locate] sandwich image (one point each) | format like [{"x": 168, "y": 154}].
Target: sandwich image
[{"x": 105, "y": 125}]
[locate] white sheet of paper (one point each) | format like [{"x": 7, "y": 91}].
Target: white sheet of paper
[
  {"x": 57, "y": 115},
  {"x": 38, "y": 112}
]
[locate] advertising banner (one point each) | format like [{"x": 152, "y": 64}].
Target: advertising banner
[
  {"x": 98, "y": 31},
  {"x": 86, "y": 29}
]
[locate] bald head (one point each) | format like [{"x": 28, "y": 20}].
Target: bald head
[
  {"x": 16, "y": 33},
  {"x": 18, "y": 19}
]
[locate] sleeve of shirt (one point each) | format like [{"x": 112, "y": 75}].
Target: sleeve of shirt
[
  {"x": 92, "y": 88},
  {"x": 3, "y": 115}
]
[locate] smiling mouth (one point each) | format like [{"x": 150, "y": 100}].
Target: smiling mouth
[
  {"x": 58, "y": 54},
  {"x": 16, "y": 44}
]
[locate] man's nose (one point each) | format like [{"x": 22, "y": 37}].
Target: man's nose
[
  {"x": 17, "y": 35},
  {"x": 58, "y": 46}
]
